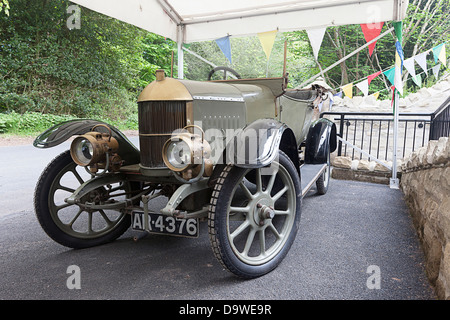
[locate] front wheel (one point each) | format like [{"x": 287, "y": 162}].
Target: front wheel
[
  {"x": 71, "y": 224},
  {"x": 253, "y": 225}
]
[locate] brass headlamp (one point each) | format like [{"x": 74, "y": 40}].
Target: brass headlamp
[
  {"x": 94, "y": 149},
  {"x": 188, "y": 154}
]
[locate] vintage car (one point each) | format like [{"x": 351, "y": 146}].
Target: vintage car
[{"x": 238, "y": 153}]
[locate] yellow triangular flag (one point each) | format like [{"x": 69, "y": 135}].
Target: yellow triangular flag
[
  {"x": 267, "y": 40},
  {"x": 348, "y": 90},
  {"x": 443, "y": 56},
  {"x": 376, "y": 94}
]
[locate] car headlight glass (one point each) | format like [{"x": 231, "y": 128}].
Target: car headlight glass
[
  {"x": 178, "y": 154},
  {"x": 83, "y": 151}
]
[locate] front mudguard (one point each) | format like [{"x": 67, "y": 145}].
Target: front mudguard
[
  {"x": 320, "y": 141},
  {"x": 258, "y": 143},
  {"x": 63, "y": 131}
]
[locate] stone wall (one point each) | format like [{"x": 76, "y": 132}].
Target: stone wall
[
  {"x": 344, "y": 168},
  {"x": 425, "y": 183}
]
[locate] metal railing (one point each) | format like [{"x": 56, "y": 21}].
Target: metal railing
[
  {"x": 372, "y": 132},
  {"x": 440, "y": 121}
]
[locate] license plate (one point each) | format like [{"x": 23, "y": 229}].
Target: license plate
[{"x": 161, "y": 224}]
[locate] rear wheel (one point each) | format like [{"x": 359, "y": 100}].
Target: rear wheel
[
  {"x": 324, "y": 180},
  {"x": 252, "y": 226},
  {"x": 70, "y": 224}
]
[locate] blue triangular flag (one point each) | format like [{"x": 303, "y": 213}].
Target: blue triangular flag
[
  {"x": 225, "y": 46},
  {"x": 437, "y": 52}
]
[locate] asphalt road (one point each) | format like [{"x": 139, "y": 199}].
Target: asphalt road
[{"x": 355, "y": 231}]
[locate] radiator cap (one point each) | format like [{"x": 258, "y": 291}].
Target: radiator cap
[{"x": 160, "y": 75}]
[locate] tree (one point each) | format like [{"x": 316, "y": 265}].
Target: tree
[
  {"x": 47, "y": 67},
  {"x": 4, "y": 6}
]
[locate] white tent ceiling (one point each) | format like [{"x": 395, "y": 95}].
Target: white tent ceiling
[{"x": 188, "y": 21}]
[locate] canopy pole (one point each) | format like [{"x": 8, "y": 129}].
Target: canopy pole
[
  {"x": 394, "y": 182},
  {"x": 180, "y": 40}
]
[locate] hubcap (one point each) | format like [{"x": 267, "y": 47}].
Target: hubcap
[{"x": 263, "y": 213}]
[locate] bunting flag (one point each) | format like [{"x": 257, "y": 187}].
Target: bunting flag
[
  {"x": 364, "y": 87},
  {"x": 390, "y": 74},
  {"x": 394, "y": 74},
  {"x": 409, "y": 65},
  {"x": 267, "y": 40},
  {"x": 436, "y": 69},
  {"x": 398, "y": 27},
  {"x": 393, "y": 97},
  {"x": 225, "y": 46},
  {"x": 421, "y": 60},
  {"x": 339, "y": 94},
  {"x": 371, "y": 31},
  {"x": 373, "y": 76},
  {"x": 417, "y": 80},
  {"x": 348, "y": 90},
  {"x": 398, "y": 81},
  {"x": 315, "y": 38},
  {"x": 439, "y": 54}
]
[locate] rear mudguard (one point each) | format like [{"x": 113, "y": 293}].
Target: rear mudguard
[
  {"x": 63, "y": 131},
  {"x": 257, "y": 144},
  {"x": 320, "y": 141}
]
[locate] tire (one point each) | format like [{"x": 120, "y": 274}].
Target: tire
[
  {"x": 324, "y": 180},
  {"x": 70, "y": 225},
  {"x": 252, "y": 227}
]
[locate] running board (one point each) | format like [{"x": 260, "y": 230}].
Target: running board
[{"x": 309, "y": 175}]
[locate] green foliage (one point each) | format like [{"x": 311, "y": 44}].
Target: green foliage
[
  {"x": 157, "y": 54},
  {"x": 4, "y": 6},
  {"x": 47, "y": 68},
  {"x": 32, "y": 123},
  {"x": 29, "y": 122}
]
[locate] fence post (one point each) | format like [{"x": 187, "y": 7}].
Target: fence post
[{"x": 341, "y": 132}]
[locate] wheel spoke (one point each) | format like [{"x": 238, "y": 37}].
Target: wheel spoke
[
  {"x": 240, "y": 209},
  {"x": 239, "y": 229},
  {"x": 247, "y": 192},
  {"x": 262, "y": 242},
  {"x": 77, "y": 175},
  {"x": 60, "y": 187},
  {"x": 274, "y": 231},
  {"x": 62, "y": 206},
  {"x": 248, "y": 243},
  {"x": 271, "y": 182},
  {"x": 105, "y": 217},
  {"x": 70, "y": 224},
  {"x": 279, "y": 194},
  {"x": 90, "y": 230},
  {"x": 258, "y": 180},
  {"x": 282, "y": 212}
]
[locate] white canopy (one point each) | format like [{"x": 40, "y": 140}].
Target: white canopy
[{"x": 188, "y": 21}]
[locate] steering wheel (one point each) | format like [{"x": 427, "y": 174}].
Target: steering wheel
[{"x": 225, "y": 70}]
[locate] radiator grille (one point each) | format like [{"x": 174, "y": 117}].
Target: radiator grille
[{"x": 157, "y": 121}]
